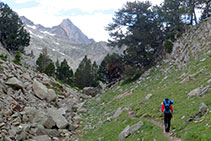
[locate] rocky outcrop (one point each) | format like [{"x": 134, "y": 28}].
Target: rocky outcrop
[
  {"x": 31, "y": 110},
  {"x": 193, "y": 44}
]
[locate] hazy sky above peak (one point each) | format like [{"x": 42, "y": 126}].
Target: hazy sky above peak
[{"x": 91, "y": 16}]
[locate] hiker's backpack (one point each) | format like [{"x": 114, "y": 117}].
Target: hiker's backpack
[{"x": 167, "y": 104}]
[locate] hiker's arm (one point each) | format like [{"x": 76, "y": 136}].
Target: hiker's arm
[
  {"x": 171, "y": 108},
  {"x": 162, "y": 108}
]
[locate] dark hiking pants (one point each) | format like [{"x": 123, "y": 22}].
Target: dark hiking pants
[{"x": 167, "y": 121}]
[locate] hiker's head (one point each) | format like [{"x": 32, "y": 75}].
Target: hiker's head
[{"x": 167, "y": 99}]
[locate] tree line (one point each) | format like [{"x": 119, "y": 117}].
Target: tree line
[{"x": 85, "y": 75}]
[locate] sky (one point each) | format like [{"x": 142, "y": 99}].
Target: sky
[{"x": 91, "y": 16}]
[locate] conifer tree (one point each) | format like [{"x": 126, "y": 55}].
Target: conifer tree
[
  {"x": 44, "y": 63},
  {"x": 86, "y": 74},
  {"x": 64, "y": 72},
  {"x": 13, "y": 36}
]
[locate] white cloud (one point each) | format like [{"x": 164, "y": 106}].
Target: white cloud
[
  {"x": 22, "y": 1},
  {"x": 93, "y": 25},
  {"x": 48, "y": 13}
]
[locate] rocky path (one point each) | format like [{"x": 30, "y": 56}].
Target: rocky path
[
  {"x": 161, "y": 125},
  {"x": 168, "y": 135}
]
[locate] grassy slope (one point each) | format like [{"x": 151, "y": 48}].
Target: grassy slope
[{"x": 162, "y": 82}]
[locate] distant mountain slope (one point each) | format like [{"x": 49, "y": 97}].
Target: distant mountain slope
[{"x": 64, "y": 41}]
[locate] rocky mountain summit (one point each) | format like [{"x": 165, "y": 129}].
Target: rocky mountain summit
[
  {"x": 34, "y": 106},
  {"x": 68, "y": 30},
  {"x": 64, "y": 41}
]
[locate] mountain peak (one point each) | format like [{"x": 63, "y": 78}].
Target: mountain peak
[{"x": 66, "y": 21}]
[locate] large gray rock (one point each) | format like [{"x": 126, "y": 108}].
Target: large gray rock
[
  {"x": 51, "y": 95},
  {"x": 124, "y": 133},
  {"x": 15, "y": 83},
  {"x": 130, "y": 130},
  {"x": 60, "y": 120},
  {"x": 48, "y": 122},
  {"x": 91, "y": 91},
  {"x": 205, "y": 90},
  {"x": 26, "y": 76},
  {"x": 40, "y": 90},
  {"x": 193, "y": 93},
  {"x": 135, "y": 127},
  {"x": 41, "y": 138}
]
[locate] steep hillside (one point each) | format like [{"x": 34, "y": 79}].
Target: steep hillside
[
  {"x": 34, "y": 106},
  {"x": 132, "y": 111}
]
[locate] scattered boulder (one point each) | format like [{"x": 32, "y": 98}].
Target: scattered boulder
[
  {"x": 26, "y": 76},
  {"x": 51, "y": 96},
  {"x": 14, "y": 83},
  {"x": 40, "y": 90},
  {"x": 205, "y": 90},
  {"x": 130, "y": 130},
  {"x": 118, "y": 112},
  {"x": 41, "y": 138},
  {"x": 124, "y": 133},
  {"x": 59, "y": 119},
  {"x": 26, "y": 108},
  {"x": 48, "y": 122},
  {"x": 91, "y": 91},
  {"x": 193, "y": 93},
  {"x": 209, "y": 81},
  {"x": 148, "y": 96}
]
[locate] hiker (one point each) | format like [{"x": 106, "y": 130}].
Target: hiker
[{"x": 167, "y": 110}]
